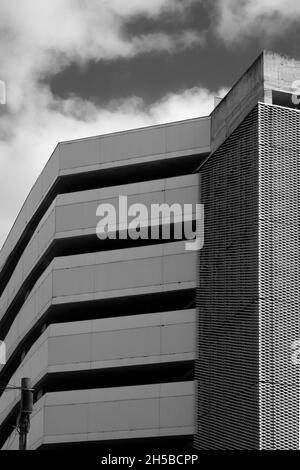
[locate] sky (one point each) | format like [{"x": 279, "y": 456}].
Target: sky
[{"x": 76, "y": 68}]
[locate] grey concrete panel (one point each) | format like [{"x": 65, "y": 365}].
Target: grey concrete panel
[
  {"x": 188, "y": 134},
  {"x": 178, "y": 338},
  {"x": 179, "y": 267},
  {"x": 73, "y": 281},
  {"x": 177, "y": 411},
  {"x": 148, "y": 141},
  {"x": 66, "y": 419},
  {"x": 146, "y": 410},
  {"x": 79, "y": 153}
]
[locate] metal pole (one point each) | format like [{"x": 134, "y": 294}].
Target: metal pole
[{"x": 25, "y": 411}]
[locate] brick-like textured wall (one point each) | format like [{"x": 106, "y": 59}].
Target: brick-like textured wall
[
  {"x": 227, "y": 296},
  {"x": 279, "y": 215},
  {"x": 249, "y": 287}
]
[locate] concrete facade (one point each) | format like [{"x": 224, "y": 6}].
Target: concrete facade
[
  {"x": 270, "y": 72},
  {"x": 106, "y": 330},
  {"x": 134, "y": 341},
  {"x": 248, "y": 293}
]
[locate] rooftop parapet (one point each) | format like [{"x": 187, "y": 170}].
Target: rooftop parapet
[{"x": 270, "y": 79}]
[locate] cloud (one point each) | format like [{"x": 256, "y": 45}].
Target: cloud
[
  {"x": 163, "y": 42},
  {"x": 40, "y": 38},
  {"x": 237, "y": 19}
]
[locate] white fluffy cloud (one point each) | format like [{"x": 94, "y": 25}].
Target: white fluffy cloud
[
  {"x": 40, "y": 37},
  {"x": 245, "y": 18}
]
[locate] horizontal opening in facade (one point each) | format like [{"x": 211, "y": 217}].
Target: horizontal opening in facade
[
  {"x": 93, "y": 180},
  {"x": 115, "y": 377},
  {"x": 75, "y": 246},
  {"x": 171, "y": 444},
  {"x": 95, "y": 309}
]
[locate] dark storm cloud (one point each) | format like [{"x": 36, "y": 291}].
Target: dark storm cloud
[
  {"x": 150, "y": 76},
  {"x": 214, "y": 64}
]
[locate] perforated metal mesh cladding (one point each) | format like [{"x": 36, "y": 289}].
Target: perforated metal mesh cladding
[
  {"x": 279, "y": 275},
  {"x": 249, "y": 287},
  {"x": 227, "y": 368}
]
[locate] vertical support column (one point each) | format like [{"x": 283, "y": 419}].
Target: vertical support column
[
  {"x": 279, "y": 238},
  {"x": 227, "y": 367}
]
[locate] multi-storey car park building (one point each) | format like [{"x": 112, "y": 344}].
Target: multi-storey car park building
[{"x": 141, "y": 342}]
